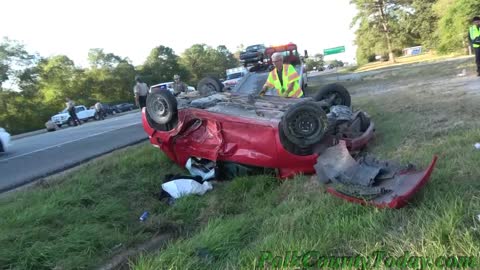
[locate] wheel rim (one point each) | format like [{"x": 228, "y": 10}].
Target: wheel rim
[
  {"x": 159, "y": 108},
  {"x": 305, "y": 125}
]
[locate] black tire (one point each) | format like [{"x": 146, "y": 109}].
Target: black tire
[
  {"x": 209, "y": 85},
  {"x": 342, "y": 95},
  {"x": 364, "y": 122},
  {"x": 70, "y": 122},
  {"x": 291, "y": 147},
  {"x": 161, "y": 107},
  {"x": 304, "y": 124},
  {"x": 96, "y": 117}
]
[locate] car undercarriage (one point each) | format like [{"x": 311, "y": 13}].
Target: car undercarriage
[{"x": 320, "y": 135}]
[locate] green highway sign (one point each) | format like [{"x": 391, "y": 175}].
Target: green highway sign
[{"x": 335, "y": 50}]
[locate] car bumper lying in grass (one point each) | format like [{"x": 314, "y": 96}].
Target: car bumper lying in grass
[{"x": 288, "y": 135}]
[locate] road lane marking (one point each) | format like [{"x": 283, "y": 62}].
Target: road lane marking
[{"x": 67, "y": 142}]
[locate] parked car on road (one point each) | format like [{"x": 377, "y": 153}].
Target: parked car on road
[
  {"x": 83, "y": 114},
  {"x": 124, "y": 107},
  {"x": 4, "y": 140},
  {"x": 169, "y": 86},
  {"x": 108, "y": 108}
]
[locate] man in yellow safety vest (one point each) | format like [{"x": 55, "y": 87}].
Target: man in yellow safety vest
[
  {"x": 284, "y": 78},
  {"x": 474, "y": 36}
]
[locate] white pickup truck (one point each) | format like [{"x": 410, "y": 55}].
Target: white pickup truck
[{"x": 83, "y": 114}]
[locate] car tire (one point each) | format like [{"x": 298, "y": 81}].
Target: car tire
[
  {"x": 70, "y": 122},
  {"x": 342, "y": 94},
  {"x": 291, "y": 147},
  {"x": 305, "y": 124},
  {"x": 209, "y": 85},
  {"x": 96, "y": 117},
  {"x": 161, "y": 110}
]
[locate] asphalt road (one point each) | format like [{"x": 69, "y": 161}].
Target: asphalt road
[{"x": 37, "y": 156}]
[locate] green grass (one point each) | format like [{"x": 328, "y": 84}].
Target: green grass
[
  {"x": 413, "y": 125},
  {"x": 425, "y": 57},
  {"x": 81, "y": 222}
]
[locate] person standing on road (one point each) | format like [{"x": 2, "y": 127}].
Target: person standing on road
[
  {"x": 284, "y": 78},
  {"x": 71, "y": 110},
  {"x": 100, "y": 111},
  {"x": 474, "y": 36},
  {"x": 178, "y": 86},
  {"x": 140, "y": 90}
]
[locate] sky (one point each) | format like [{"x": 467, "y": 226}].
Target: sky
[{"x": 131, "y": 28}]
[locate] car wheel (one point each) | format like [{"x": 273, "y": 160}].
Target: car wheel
[
  {"x": 291, "y": 147},
  {"x": 96, "y": 117},
  {"x": 337, "y": 92},
  {"x": 161, "y": 107},
  {"x": 114, "y": 112},
  {"x": 304, "y": 124},
  {"x": 70, "y": 122},
  {"x": 209, "y": 85}
]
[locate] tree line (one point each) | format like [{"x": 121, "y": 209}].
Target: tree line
[
  {"x": 385, "y": 27},
  {"x": 33, "y": 88}
]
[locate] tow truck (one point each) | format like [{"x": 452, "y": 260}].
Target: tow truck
[{"x": 258, "y": 72}]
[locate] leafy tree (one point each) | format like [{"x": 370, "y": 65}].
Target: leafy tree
[
  {"x": 14, "y": 59},
  {"x": 423, "y": 23},
  {"x": 202, "y": 60},
  {"x": 99, "y": 59},
  {"x": 379, "y": 17},
  {"x": 110, "y": 77},
  {"x": 455, "y": 18},
  {"x": 316, "y": 61},
  {"x": 58, "y": 78},
  {"x": 161, "y": 65}
]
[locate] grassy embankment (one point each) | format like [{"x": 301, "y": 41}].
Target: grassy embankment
[{"x": 83, "y": 221}]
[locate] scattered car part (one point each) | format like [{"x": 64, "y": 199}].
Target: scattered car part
[{"x": 366, "y": 180}]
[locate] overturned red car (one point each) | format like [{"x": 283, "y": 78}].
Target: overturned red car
[{"x": 284, "y": 134}]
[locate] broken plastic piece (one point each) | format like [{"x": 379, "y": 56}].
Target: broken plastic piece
[
  {"x": 392, "y": 186},
  {"x": 201, "y": 167}
]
